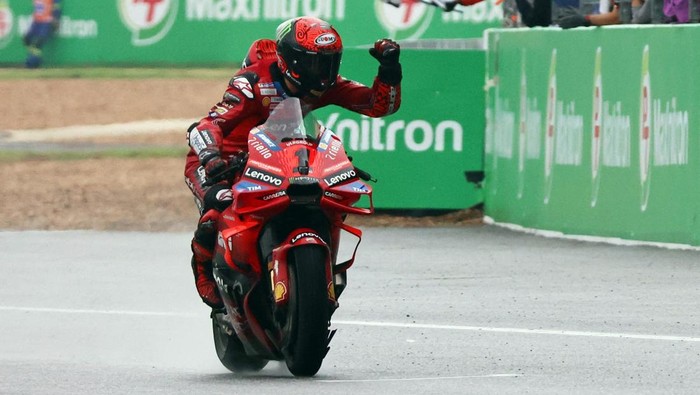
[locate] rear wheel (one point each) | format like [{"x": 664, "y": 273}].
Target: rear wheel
[
  {"x": 309, "y": 313},
  {"x": 230, "y": 350}
]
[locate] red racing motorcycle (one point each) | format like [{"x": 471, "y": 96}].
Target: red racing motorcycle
[{"x": 275, "y": 261}]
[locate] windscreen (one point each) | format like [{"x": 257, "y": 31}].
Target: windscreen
[{"x": 286, "y": 122}]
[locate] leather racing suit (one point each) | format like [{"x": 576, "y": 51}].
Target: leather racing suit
[{"x": 251, "y": 95}]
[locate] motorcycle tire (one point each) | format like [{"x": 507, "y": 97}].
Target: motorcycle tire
[
  {"x": 309, "y": 314},
  {"x": 231, "y": 353}
]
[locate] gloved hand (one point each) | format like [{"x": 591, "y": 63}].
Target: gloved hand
[
  {"x": 387, "y": 52},
  {"x": 570, "y": 18},
  {"x": 238, "y": 158},
  {"x": 212, "y": 162}
]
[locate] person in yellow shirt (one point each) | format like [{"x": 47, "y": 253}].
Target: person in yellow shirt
[{"x": 45, "y": 20}]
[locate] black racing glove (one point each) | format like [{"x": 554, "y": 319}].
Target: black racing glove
[
  {"x": 387, "y": 52},
  {"x": 570, "y": 18},
  {"x": 212, "y": 162}
]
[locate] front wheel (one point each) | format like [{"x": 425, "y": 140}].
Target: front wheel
[
  {"x": 230, "y": 350},
  {"x": 309, "y": 312}
]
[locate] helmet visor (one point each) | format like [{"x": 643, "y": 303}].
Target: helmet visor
[{"x": 320, "y": 70}]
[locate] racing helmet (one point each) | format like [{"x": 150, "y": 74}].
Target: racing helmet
[{"x": 308, "y": 53}]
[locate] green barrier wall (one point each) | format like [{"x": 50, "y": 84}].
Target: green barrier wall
[
  {"x": 113, "y": 32},
  {"x": 595, "y": 131},
  {"x": 420, "y": 154}
]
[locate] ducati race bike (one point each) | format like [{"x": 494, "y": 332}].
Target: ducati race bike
[{"x": 276, "y": 258}]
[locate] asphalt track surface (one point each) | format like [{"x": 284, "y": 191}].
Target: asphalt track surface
[{"x": 448, "y": 310}]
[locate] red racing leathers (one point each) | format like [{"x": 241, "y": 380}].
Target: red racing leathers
[{"x": 251, "y": 95}]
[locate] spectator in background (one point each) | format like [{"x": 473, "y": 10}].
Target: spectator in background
[
  {"x": 517, "y": 13},
  {"x": 46, "y": 17},
  {"x": 675, "y": 11},
  {"x": 547, "y": 12},
  {"x": 568, "y": 14},
  {"x": 571, "y": 17}
]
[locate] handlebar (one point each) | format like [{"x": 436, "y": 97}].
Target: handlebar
[
  {"x": 364, "y": 175},
  {"x": 236, "y": 164}
]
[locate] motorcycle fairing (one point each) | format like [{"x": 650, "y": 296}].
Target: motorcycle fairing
[
  {"x": 242, "y": 259},
  {"x": 279, "y": 266},
  {"x": 295, "y": 189}
]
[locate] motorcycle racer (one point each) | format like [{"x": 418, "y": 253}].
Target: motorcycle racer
[{"x": 302, "y": 62}]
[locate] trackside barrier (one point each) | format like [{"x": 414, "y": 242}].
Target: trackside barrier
[
  {"x": 207, "y": 32},
  {"x": 421, "y": 153},
  {"x": 595, "y": 131}
]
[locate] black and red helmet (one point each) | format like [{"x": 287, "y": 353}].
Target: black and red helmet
[{"x": 308, "y": 53}]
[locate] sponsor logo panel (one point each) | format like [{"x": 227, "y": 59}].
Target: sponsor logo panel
[
  {"x": 416, "y": 135},
  {"x": 263, "y": 176},
  {"x": 339, "y": 177},
  {"x": 148, "y": 20},
  {"x": 7, "y": 22}
]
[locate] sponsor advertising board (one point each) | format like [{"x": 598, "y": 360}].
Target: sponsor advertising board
[
  {"x": 205, "y": 32},
  {"x": 419, "y": 154},
  {"x": 595, "y": 131}
]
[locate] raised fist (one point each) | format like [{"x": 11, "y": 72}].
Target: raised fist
[{"x": 386, "y": 51}]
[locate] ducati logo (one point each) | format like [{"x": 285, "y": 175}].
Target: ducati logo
[
  {"x": 6, "y": 24},
  {"x": 409, "y": 21},
  {"x": 148, "y": 20}
]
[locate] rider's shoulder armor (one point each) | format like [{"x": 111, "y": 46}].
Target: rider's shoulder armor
[{"x": 245, "y": 83}]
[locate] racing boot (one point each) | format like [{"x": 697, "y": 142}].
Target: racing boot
[{"x": 202, "y": 253}]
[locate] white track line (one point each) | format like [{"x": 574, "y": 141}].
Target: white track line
[
  {"x": 482, "y": 376},
  {"x": 592, "y": 239},
  {"x": 557, "y": 332},
  {"x": 522, "y": 331}
]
